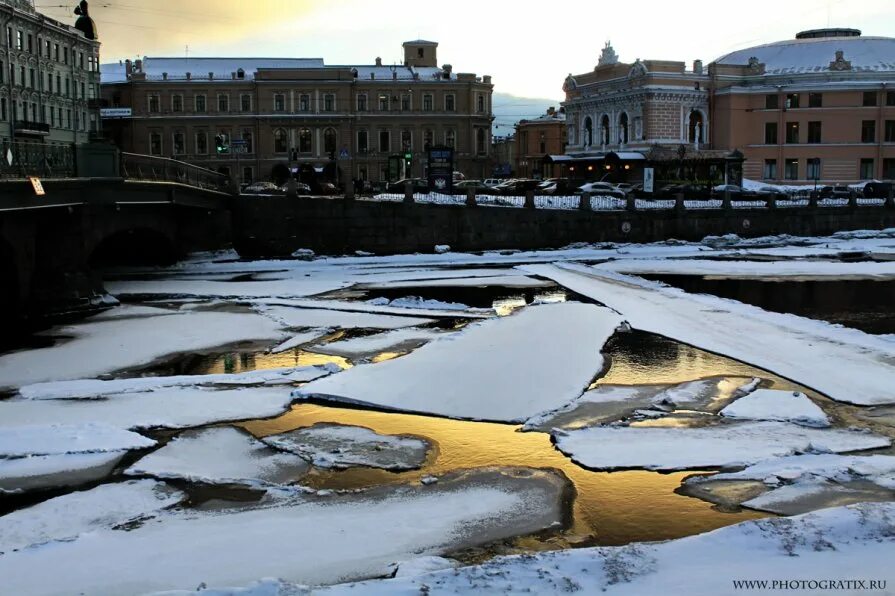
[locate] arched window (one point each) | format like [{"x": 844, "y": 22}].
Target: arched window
[
  {"x": 588, "y": 132},
  {"x": 329, "y": 141},
  {"x": 695, "y": 127},
  {"x": 604, "y": 130},
  {"x": 279, "y": 141},
  {"x": 623, "y": 129},
  {"x": 304, "y": 141}
]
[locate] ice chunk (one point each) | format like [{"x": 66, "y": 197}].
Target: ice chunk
[
  {"x": 784, "y": 406},
  {"x": 46, "y": 471},
  {"x": 503, "y": 281},
  {"x": 58, "y": 439},
  {"x": 300, "y": 340},
  {"x": 315, "y": 317},
  {"x": 397, "y": 340}
]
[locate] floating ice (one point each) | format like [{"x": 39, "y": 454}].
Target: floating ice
[{"x": 784, "y": 406}]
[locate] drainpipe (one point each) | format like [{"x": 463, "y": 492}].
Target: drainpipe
[{"x": 881, "y": 129}]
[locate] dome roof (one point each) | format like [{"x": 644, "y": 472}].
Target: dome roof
[{"x": 814, "y": 51}]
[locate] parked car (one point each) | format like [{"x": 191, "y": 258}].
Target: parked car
[
  {"x": 517, "y": 187},
  {"x": 460, "y": 188},
  {"x": 596, "y": 187},
  {"x": 735, "y": 191},
  {"x": 771, "y": 192},
  {"x": 837, "y": 192},
  {"x": 325, "y": 188},
  {"x": 419, "y": 185},
  {"x": 879, "y": 190},
  {"x": 492, "y": 182},
  {"x": 625, "y": 188},
  {"x": 689, "y": 191},
  {"x": 263, "y": 188},
  {"x": 561, "y": 187}
]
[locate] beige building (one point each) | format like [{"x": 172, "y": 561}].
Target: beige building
[
  {"x": 536, "y": 140},
  {"x": 338, "y": 121},
  {"x": 817, "y": 108},
  {"x": 49, "y": 77}
]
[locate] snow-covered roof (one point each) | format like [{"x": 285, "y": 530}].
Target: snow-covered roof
[
  {"x": 200, "y": 67},
  {"x": 805, "y": 56},
  {"x": 404, "y": 73}
]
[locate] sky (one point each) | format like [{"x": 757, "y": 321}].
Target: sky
[{"x": 528, "y": 47}]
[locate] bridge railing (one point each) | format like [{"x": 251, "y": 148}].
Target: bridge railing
[
  {"x": 163, "y": 169},
  {"x": 46, "y": 160}
]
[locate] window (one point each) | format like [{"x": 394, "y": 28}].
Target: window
[
  {"x": 770, "y": 169},
  {"x": 223, "y": 103},
  {"x": 305, "y": 144},
  {"x": 792, "y": 133},
  {"x": 329, "y": 103},
  {"x": 890, "y": 132},
  {"x": 153, "y": 103},
  {"x": 30, "y": 44},
  {"x": 3, "y": 75},
  {"x": 771, "y": 102},
  {"x": 695, "y": 128},
  {"x": 480, "y": 141},
  {"x": 813, "y": 170},
  {"x": 248, "y": 174},
  {"x": 890, "y": 98},
  {"x": 65, "y": 55},
  {"x": 480, "y": 103},
  {"x": 32, "y": 78},
  {"x": 362, "y": 102},
  {"x": 406, "y": 140},
  {"x": 304, "y": 103},
  {"x": 47, "y": 48},
  {"x": 363, "y": 142},
  {"x": 200, "y": 104},
  {"x": 868, "y": 131},
  {"x": 869, "y": 99},
  {"x": 179, "y": 143},
  {"x": 450, "y": 138},
  {"x": 245, "y": 102},
  {"x": 383, "y": 102},
  {"x": 201, "y": 143},
  {"x": 58, "y": 84},
  {"x": 770, "y": 133},
  {"x": 52, "y": 116},
  {"x": 450, "y": 103},
  {"x": 3, "y": 108},
  {"x": 791, "y": 169},
  {"x": 9, "y": 37},
  {"x": 428, "y": 103},
  {"x": 385, "y": 141},
  {"x": 866, "y": 169},
  {"x": 22, "y": 78},
  {"x": 329, "y": 142},
  {"x": 889, "y": 168},
  {"x": 792, "y": 101},
  {"x": 249, "y": 141},
  {"x": 428, "y": 138},
  {"x": 405, "y": 103},
  {"x": 280, "y": 144},
  {"x": 177, "y": 103},
  {"x": 20, "y": 44},
  {"x": 623, "y": 129},
  {"x": 279, "y": 102},
  {"x": 814, "y": 132},
  {"x": 56, "y": 51},
  {"x": 155, "y": 142}
]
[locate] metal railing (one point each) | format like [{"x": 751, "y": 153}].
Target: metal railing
[
  {"x": 163, "y": 169},
  {"x": 46, "y": 160}
]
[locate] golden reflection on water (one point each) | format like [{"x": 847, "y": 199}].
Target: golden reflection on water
[
  {"x": 610, "y": 508},
  {"x": 231, "y": 363}
]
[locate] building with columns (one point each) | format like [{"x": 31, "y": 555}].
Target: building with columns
[{"x": 360, "y": 121}]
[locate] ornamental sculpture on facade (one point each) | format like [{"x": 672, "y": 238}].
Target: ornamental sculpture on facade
[{"x": 840, "y": 63}]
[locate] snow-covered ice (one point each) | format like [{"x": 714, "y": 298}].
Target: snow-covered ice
[
  {"x": 126, "y": 343},
  {"x": 397, "y": 340},
  {"x": 504, "y": 281},
  {"x": 299, "y": 538},
  {"x": 300, "y": 339},
  {"x": 418, "y": 303},
  {"x": 783, "y": 406},
  {"x": 730, "y": 269},
  {"x": 322, "y": 318},
  {"x": 811, "y": 495},
  {"x": 724, "y": 445},
  {"x": 505, "y": 369},
  {"x": 68, "y": 516},
  {"x": 339, "y": 446},
  {"x": 845, "y": 364},
  {"x": 48, "y": 471},
  {"x": 220, "y": 456},
  {"x": 60, "y": 439}
]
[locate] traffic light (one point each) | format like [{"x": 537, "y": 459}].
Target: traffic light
[
  {"x": 408, "y": 160},
  {"x": 220, "y": 144}
]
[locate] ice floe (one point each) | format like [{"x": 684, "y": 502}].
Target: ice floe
[
  {"x": 397, "y": 340},
  {"x": 300, "y": 340},
  {"x": 68, "y": 516},
  {"x": 504, "y": 281},
  {"x": 812, "y": 353},
  {"x": 733, "y": 444},
  {"x": 731, "y": 269},
  {"x": 322, "y": 318},
  {"x": 500, "y": 370},
  {"x": 60, "y": 439},
  {"x": 783, "y": 406},
  {"x": 300, "y": 539},
  {"x": 220, "y": 456},
  {"x": 339, "y": 446},
  {"x": 32, "y": 473}
]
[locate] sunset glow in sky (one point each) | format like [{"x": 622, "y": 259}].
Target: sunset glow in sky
[{"x": 528, "y": 47}]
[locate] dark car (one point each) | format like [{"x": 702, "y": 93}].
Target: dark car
[
  {"x": 837, "y": 192},
  {"x": 879, "y": 190},
  {"x": 690, "y": 191},
  {"x": 419, "y": 185},
  {"x": 518, "y": 187}
]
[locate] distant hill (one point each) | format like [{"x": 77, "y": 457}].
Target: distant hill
[{"x": 510, "y": 109}]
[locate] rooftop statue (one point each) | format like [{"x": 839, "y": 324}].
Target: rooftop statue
[{"x": 84, "y": 23}]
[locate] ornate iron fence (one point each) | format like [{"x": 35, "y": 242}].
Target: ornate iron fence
[
  {"x": 46, "y": 160},
  {"x": 162, "y": 169}
]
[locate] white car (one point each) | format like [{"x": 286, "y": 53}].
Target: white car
[
  {"x": 492, "y": 182},
  {"x": 596, "y": 187}
]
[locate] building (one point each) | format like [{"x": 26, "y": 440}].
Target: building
[
  {"x": 819, "y": 108},
  {"x": 372, "y": 122},
  {"x": 503, "y": 156},
  {"x": 537, "y": 140},
  {"x": 49, "y": 77}
]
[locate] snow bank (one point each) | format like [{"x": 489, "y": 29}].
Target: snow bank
[
  {"x": 505, "y": 369},
  {"x": 783, "y": 406},
  {"x": 220, "y": 456},
  {"x": 126, "y": 343},
  {"x": 418, "y": 303},
  {"x": 845, "y": 364},
  {"x": 606, "y": 448},
  {"x": 338, "y": 446},
  {"x": 69, "y": 516}
]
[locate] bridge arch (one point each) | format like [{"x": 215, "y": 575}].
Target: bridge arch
[{"x": 134, "y": 246}]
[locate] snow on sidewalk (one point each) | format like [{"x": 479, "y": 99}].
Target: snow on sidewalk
[
  {"x": 307, "y": 539},
  {"x": 504, "y": 370},
  {"x": 845, "y": 364}
]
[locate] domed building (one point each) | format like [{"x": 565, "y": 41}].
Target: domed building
[{"x": 819, "y": 108}]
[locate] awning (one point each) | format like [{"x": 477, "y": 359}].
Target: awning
[{"x": 629, "y": 155}]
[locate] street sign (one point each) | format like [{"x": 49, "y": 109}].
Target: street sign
[
  {"x": 240, "y": 148},
  {"x": 38, "y": 187},
  {"x": 343, "y": 154},
  {"x": 441, "y": 169},
  {"x": 649, "y": 179},
  {"x": 239, "y": 142},
  {"x": 116, "y": 112},
  {"x": 9, "y": 156}
]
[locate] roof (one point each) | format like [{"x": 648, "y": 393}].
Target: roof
[
  {"x": 420, "y": 42},
  {"x": 810, "y": 55},
  {"x": 200, "y": 67}
]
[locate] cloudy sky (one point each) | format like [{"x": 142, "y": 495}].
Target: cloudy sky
[{"x": 528, "y": 47}]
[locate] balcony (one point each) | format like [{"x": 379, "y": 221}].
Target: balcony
[{"x": 26, "y": 127}]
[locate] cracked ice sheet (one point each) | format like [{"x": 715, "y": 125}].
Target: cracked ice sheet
[
  {"x": 46, "y": 471},
  {"x": 785, "y": 270},
  {"x": 783, "y": 406},
  {"x": 68, "y": 516},
  {"x": 503, "y": 281},
  {"x": 320, "y": 318},
  {"x": 285, "y": 288},
  {"x": 103, "y": 347},
  {"x": 182, "y": 549},
  {"x": 220, "y": 456},
  {"x": 376, "y": 344},
  {"x": 845, "y": 364},
  {"x": 175, "y": 407},
  {"x": 736, "y": 444},
  {"x": 60, "y": 439},
  {"x": 505, "y": 370},
  {"x": 828, "y": 544},
  {"x": 405, "y": 309}
]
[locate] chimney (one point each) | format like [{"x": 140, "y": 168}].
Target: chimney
[
  {"x": 378, "y": 61},
  {"x": 189, "y": 76},
  {"x": 233, "y": 76},
  {"x": 128, "y": 67},
  {"x": 211, "y": 76},
  {"x": 138, "y": 66},
  {"x": 697, "y": 67},
  {"x": 447, "y": 69},
  {"x": 486, "y": 79},
  {"x": 164, "y": 76},
  {"x": 551, "y": 111}
]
